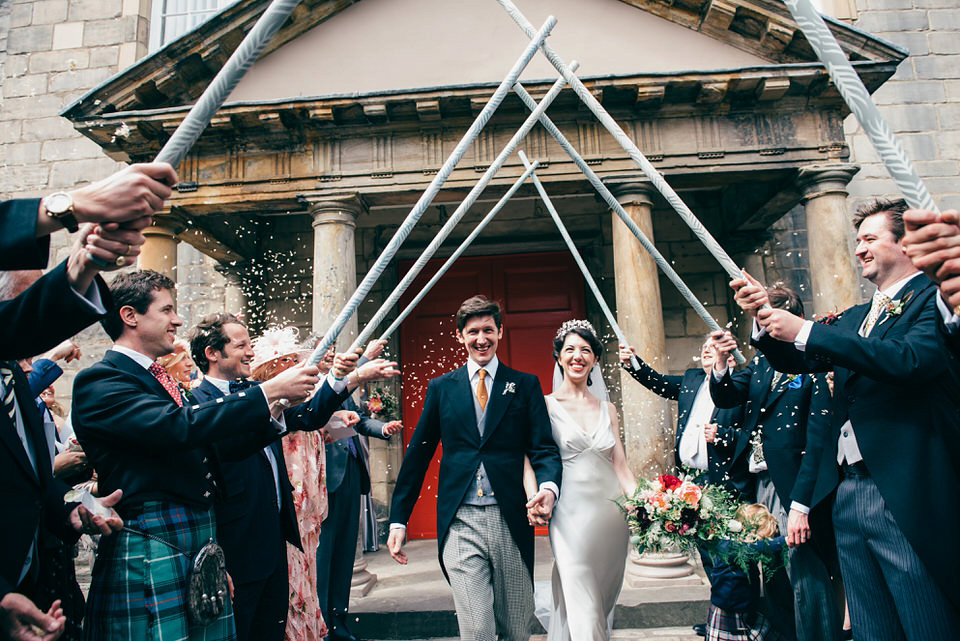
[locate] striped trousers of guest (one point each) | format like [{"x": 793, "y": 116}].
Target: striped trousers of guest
[
  {"x": 492, "y": 589},
  {"x": 891, "y": 594}
]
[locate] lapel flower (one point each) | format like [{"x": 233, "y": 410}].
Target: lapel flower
[
  {"x": 895, "y": 307},
  {"x": 510, "y": 388}
]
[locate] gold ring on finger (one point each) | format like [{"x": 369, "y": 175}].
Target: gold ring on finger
[
  {"x": 129, "y": 247},
  {"x": 121, "y": 261}
]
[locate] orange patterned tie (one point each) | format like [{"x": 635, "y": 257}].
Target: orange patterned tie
[{"x": 482, "y": 389}]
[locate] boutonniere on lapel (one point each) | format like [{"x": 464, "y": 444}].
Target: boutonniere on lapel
[
  {"x": 509, "y": 388},
  {"x": 794, "y": 381},
  {"x": 895, "y": 307}
]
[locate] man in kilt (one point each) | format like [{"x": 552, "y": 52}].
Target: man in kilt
[{"x": 143, "y": 436}]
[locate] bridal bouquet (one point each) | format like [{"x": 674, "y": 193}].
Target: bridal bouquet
[
  {"x": 383, "y": 405},
  {"x": 674, "y": 514}
]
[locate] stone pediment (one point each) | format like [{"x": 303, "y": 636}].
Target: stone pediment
[{"x": 344, "y": 47}]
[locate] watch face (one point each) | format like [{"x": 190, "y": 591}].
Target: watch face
[{"x": 58, "y": 203}]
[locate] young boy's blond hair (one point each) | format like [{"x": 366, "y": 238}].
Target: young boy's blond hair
[{"x": 757, "y": 521}]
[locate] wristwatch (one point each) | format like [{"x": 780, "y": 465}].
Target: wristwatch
[{"x": 59, "y": 205}]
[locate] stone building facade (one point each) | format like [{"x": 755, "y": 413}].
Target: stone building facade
[{"x": 769, "y": 179}]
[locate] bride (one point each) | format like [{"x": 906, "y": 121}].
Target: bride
[{"x": 588, "y": 534}]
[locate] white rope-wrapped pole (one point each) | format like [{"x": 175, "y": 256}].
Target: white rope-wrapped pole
[
  {"x": 460, "y": 212},
  {"x": 333, "y": 332},
  {"x": 223, "y": 83},
  {"x": 624, "y": 141},
  {"x": 857, "y": 97},
  {"x": 459, "y": 252},
  {"x": 615, "y": 205},
  {"x": 592, "y": 284}
]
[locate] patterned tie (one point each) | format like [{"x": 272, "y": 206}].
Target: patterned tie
[
  {"x": 9, "y": 394},
  {"x": 879, "y": 303},
  {"x": 482, "y": 389},
  {"x": 167, "y": 381}
]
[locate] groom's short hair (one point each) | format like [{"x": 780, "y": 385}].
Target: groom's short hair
[{"x": 477, "y": 306}]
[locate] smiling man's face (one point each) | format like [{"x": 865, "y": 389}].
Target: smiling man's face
[{"x": 480, "y": 335}]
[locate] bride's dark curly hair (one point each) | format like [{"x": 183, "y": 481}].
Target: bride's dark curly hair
[{"x": 581, "y": 328}]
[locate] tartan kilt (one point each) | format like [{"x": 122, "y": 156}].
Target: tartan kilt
[
  {"x": 139, "y": 586},
  {"x": 734, "y": 626}
]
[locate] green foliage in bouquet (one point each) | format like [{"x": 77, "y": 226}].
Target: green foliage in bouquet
[{"x": 673, "y": 514}]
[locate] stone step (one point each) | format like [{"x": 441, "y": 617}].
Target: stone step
[{"x": 414, "y": 601}]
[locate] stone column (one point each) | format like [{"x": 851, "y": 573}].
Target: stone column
[
  {"x": 648, "y": 434},
  {"x": 334, "y": 261},
  {"x": 159, "y": 252},
  {"x": 234, "y": 298},
  {"x": 833, "y": 267},
  {"x": 648, "y": 431}
]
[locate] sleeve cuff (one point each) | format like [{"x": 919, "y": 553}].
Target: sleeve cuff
[
  {"x": 92, "y": 298},
  {"x": 553, "y": 487},
  {"x": 397, "y": 526},
  {"x": 718, "y": 375},
  {"x": 950, "y": 319},
  {"x": 336, "y": 384},
  {"x": 799, "y": 507},
  {"x": 800, "y": 342}
]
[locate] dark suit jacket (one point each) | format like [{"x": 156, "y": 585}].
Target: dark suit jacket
[
  {"x": 38, "y": 319},
  {"x": 19, "y": 246},
  {"x": 727, "y": 455},
  {"x": 30, "y": 497},
  {"x": 794, "y": 423},
  {"x": 516, "y": 424},
  {"x": 898, "y": 390},
  {"x": 245, "y": 528},
  {"x": 338, "y": 452},
  {"x": 140, "y": 441}
]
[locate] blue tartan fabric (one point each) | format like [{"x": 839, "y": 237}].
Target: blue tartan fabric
[
  {"x": 731, "y": 626},
  {"x": 138, "y": 588}
]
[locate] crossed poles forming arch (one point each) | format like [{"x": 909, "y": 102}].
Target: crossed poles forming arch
[{"x": 808, "y": 19}]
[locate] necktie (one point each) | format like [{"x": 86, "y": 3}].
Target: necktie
[
  {"x": 880, "y": 301},
  {"x": 482, "y": 389},
  {"x": 352, "y": 446},
  {"x": 9, "y": 396},
  {"x": 167, "y": 381},
  {"x": 239, "y": 386}
]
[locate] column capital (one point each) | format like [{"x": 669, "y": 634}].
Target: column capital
[
  {"x": 336, "y": 209},
  {"x": 161, "y": 229},
  {"x": 827, "y": 178},
  {"x": 628, "y": 190}
]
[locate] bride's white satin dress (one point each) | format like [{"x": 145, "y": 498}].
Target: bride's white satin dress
[{"x": 588, "y": 534}]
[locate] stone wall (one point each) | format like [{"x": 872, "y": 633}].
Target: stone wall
[{"x": 922, "y": 100}]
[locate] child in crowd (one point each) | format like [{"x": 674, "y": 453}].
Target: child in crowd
[{"x": 735, "y": 597}]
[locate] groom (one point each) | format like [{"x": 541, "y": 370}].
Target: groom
[{"x": 488, "y": 417}]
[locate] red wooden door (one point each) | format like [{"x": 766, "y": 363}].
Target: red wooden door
[{"x": 537, "y": 293}]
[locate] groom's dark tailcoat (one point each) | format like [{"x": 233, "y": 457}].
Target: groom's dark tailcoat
[
  {"x": 793, "y": 419},
  {"x": 727, "y": 455},
  {"x": 250, "y": 528},
  {"x": 517, "y": 424},
  {"x": 898, "y": 387}
]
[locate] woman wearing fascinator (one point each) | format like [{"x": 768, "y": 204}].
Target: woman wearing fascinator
[{"x": 588, "y": 534}]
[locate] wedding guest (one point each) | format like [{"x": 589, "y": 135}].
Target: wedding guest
[
  {"x": 894, "y": 412},
  {"x": 788, "y": 419},
  {"x": 735, "y": 613},
  {"x": 179, "y": 365},
  {"x": 138, "y": 432}
]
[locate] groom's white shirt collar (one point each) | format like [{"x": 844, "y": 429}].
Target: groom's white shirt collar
[{"x": 491, "y": 367}]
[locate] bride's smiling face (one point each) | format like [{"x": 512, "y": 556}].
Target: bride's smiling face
[{"x": 576, "y": 357}]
